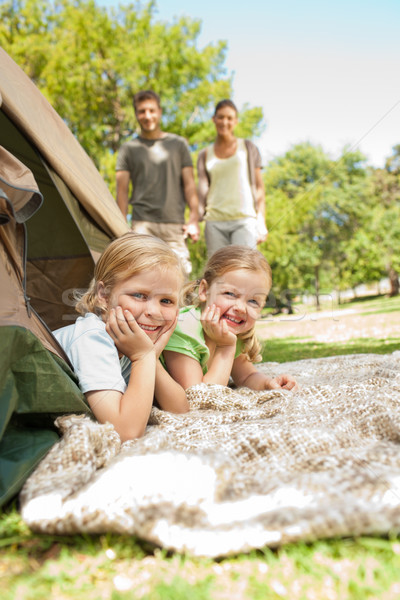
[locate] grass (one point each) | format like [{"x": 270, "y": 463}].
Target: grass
[
  {"x": 116, "y": 567},
  {"x": 375, "y": 305},
  {"x": 84, "y": 567},
  {"x": 292, "y": 348},
  {"x": 368, "y": 305}
]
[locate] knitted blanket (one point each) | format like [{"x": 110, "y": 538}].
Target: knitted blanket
[{"x": 242, "y": 469}]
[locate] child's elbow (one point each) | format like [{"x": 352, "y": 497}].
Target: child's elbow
[
  {"x": 251, "y": 381},
  {"x": 180, "y": 408},
  {"x": 131, "y": 433},
  {"x": 185, "y": 408}
]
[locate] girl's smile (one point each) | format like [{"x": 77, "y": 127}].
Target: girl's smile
[
  {"x": 232, "y": 319},
  {"x": 240, "y": 295},
  {"x": 151, "y": 297}
]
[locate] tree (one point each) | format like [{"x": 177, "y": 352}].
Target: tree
[
  {"x": 89, "y": 61},
  {"x": 315, "y": 206},
  {"x": 385, "y": 219},
  {"x": 294, "y": 184},
  {"x": 344, "y": 210}
]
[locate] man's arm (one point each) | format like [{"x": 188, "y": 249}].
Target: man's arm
[
  {"x": 191, "y": 229},
  {"x": 123, "y": 178}
]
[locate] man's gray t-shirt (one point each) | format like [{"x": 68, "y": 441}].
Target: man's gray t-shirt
[{"x": 155, "y": 168}]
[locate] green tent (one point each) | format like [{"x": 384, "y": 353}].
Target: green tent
[{"x": 56, "y": 216}]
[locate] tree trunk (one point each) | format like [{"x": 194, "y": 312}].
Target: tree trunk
[
  {"x": 317, "y": 302},
  {"x": 394, "y": 282}
]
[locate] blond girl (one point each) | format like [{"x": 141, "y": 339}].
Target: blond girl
[
  {"x": 127, "y": 317},
  {"x": 215, "y": 335}
]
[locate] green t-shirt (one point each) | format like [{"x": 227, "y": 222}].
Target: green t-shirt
[{"x": 188, "y": 337}]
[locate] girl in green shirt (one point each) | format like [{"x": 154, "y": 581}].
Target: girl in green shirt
[{"x": 215, "y": 337}]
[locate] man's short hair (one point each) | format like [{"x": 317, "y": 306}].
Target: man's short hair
[{"x": 145, "y": 95}]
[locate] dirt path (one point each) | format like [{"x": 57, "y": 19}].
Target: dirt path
[{"x": 331, "y": 326}]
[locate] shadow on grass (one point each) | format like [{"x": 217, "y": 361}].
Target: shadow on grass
[{"x": 291, "y": 349}]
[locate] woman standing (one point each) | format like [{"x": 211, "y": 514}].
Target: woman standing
[{"x": 231, "y": 188}]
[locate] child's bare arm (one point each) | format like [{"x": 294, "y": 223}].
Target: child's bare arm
[
  {"x": 222, "y": 346},
  {"x": 183, "y": 369},
  {"x": 129, "y": 411},
  {"x": 244, "y": 373},
  {"x": 169, "y": 394},
  {"x": 187, "y": 371},
  {"x": 220, "y": 365}
]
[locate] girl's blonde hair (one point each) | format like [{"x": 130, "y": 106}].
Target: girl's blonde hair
[
  {"x": 128, "y": 255},
  {"x": 231, "y": 258}
]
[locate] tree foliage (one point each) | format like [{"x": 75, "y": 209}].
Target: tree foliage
[
  {"x": 374, "y": 249},
  {"x": 333, "y": 223},
  {"x": 384, "y": 234},
  {"x": 89, "y": 61},
  {"x": 315, "y": 207}
]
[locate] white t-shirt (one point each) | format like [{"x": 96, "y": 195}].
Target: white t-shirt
[
  {"x": 94, "y": 355},
  {"x": 229, "y": 196}
]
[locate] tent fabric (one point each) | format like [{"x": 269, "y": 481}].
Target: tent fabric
[
  {"x": 20, "y": 186},
  {"x": 19, "y": 200},
  {"x": 36, "y": 387},
  {"x": 36, "y": 382},
  {"x": 56, "y": 217},
  {"x": 78, "y": 216},
  {"x": 24, "y": 104}
]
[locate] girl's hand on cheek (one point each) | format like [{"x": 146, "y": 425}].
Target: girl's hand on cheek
[
  {"x": 162, "y": 341},
  {"x": 216, "y": 329},
  {"x": 128, "y": 337}
]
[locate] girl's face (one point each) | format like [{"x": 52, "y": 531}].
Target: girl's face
[
  {"x": 240, "y": 295},
  {"x": 151, "y": 296},
  {"x": 225, "y": 120}
]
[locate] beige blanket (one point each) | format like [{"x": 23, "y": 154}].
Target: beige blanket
[{"x": 242, "y": 470}]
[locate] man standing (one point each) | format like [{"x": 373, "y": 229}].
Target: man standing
[{"x": 159, "y": 166}]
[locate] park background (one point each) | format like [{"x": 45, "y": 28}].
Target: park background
[{"x": 317, "y": 87}]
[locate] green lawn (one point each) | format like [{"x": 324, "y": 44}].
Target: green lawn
[
  {"x": 114, "y": 567},
  {"x": 290, "y": 349},
  {"x": 120, "y": 568},
  {"x": 367, "y": 305}
]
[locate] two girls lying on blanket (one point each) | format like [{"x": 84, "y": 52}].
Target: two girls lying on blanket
[{"x": 130, "y": 317}]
